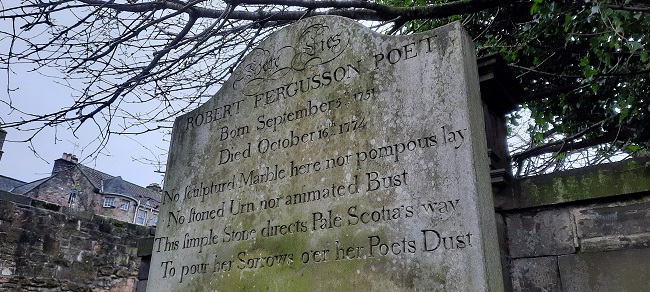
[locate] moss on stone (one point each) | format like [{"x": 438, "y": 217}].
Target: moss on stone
[{"x": 581, "y": 184}]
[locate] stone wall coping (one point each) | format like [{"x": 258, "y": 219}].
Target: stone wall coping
[
  {"x": 601, "y": 181},
  {"x": 19, "y": 199},
  {"x": 69, "y": 212}
]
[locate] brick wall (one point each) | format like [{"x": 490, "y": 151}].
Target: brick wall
[{"x": 44, "y": 247}]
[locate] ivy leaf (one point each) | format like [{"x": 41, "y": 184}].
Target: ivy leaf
[
  {"x": 568, "y": 19},
  {"x": 624, "y": 113},
  {"x": 635, "y": 46},
  {"x": 644, "y": 57},
  {"x": 589, "y": 72},
  {"x": 536, "y": 7},
  {"x": 594, "y": 88},
  {"x": 584, "y": 61}
]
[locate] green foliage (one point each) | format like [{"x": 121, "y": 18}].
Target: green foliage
[
  {"x": 582, "y": 63},
  {"x": 119, "y": 224}
]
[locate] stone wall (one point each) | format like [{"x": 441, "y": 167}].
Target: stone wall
[
  {"x": 44, "y": 247},
  {"x": 580, "y": 230}
]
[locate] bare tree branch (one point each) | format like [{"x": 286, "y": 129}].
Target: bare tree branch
[
  {"x": 168, "y": 56},
  {"x": 570, "y": 143}
]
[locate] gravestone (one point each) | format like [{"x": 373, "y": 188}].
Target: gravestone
[{"x": 333, "y": 159}]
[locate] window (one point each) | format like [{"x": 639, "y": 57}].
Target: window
[
  {"x": 125, "y": 205},
  {"x": 154, "y": 220},
  {"x": 141, "y": 217},
  {"x": 109, "y": 202}
]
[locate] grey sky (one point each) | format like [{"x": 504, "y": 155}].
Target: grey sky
[{"x": 39, "y": 93}]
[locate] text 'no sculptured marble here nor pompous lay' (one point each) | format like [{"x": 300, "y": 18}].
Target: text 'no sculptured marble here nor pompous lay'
[{"x": 333, "y": 159}]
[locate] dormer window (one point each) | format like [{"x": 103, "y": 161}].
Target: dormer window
[
  {"x": 109, "y": 202},
  {"x": 124, "y": 205}
]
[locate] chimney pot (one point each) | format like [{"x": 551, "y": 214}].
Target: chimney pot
[{"x": 154, "y": 187}]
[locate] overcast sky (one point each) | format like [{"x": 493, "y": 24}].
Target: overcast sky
[{"x": 39, "y": 93}]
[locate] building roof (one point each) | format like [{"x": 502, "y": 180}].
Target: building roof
[
  {"x": 7, "y": 183},
  {"x": 103, "y": 182},
  {"x": 116, "y": 185},
  {"x": 109, "y": 184},
  {"x": 24, "y": 188}
]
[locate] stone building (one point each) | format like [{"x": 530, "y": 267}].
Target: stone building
[{"x": 79, "y": 187}]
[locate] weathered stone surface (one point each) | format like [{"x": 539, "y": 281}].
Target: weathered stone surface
[
  {"x": 540, "y": 233},
  {"x": 614, "y": 226},
  {"x": 9, "y": 197},
  {"x": 333, "y": 159},
  {"x": 535, "y": 274},
  {"x": 600, "y": 181},
  {"x": 503, "y": 250},
  {"x": 141, "y": 286},
  {"x": 43, "y": 250},
  {"x": 618, "y": 271},
  {"x": 145, "y": 246}
]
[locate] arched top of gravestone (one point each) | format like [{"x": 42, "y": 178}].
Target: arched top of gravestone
[
  {"x": 302, "y": 50},
  {"x": 299, "y": 49}
]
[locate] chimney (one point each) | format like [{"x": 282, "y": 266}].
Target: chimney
[
  {"x": 63, "y": 163},
  {"x": 155, "y": 187}
]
